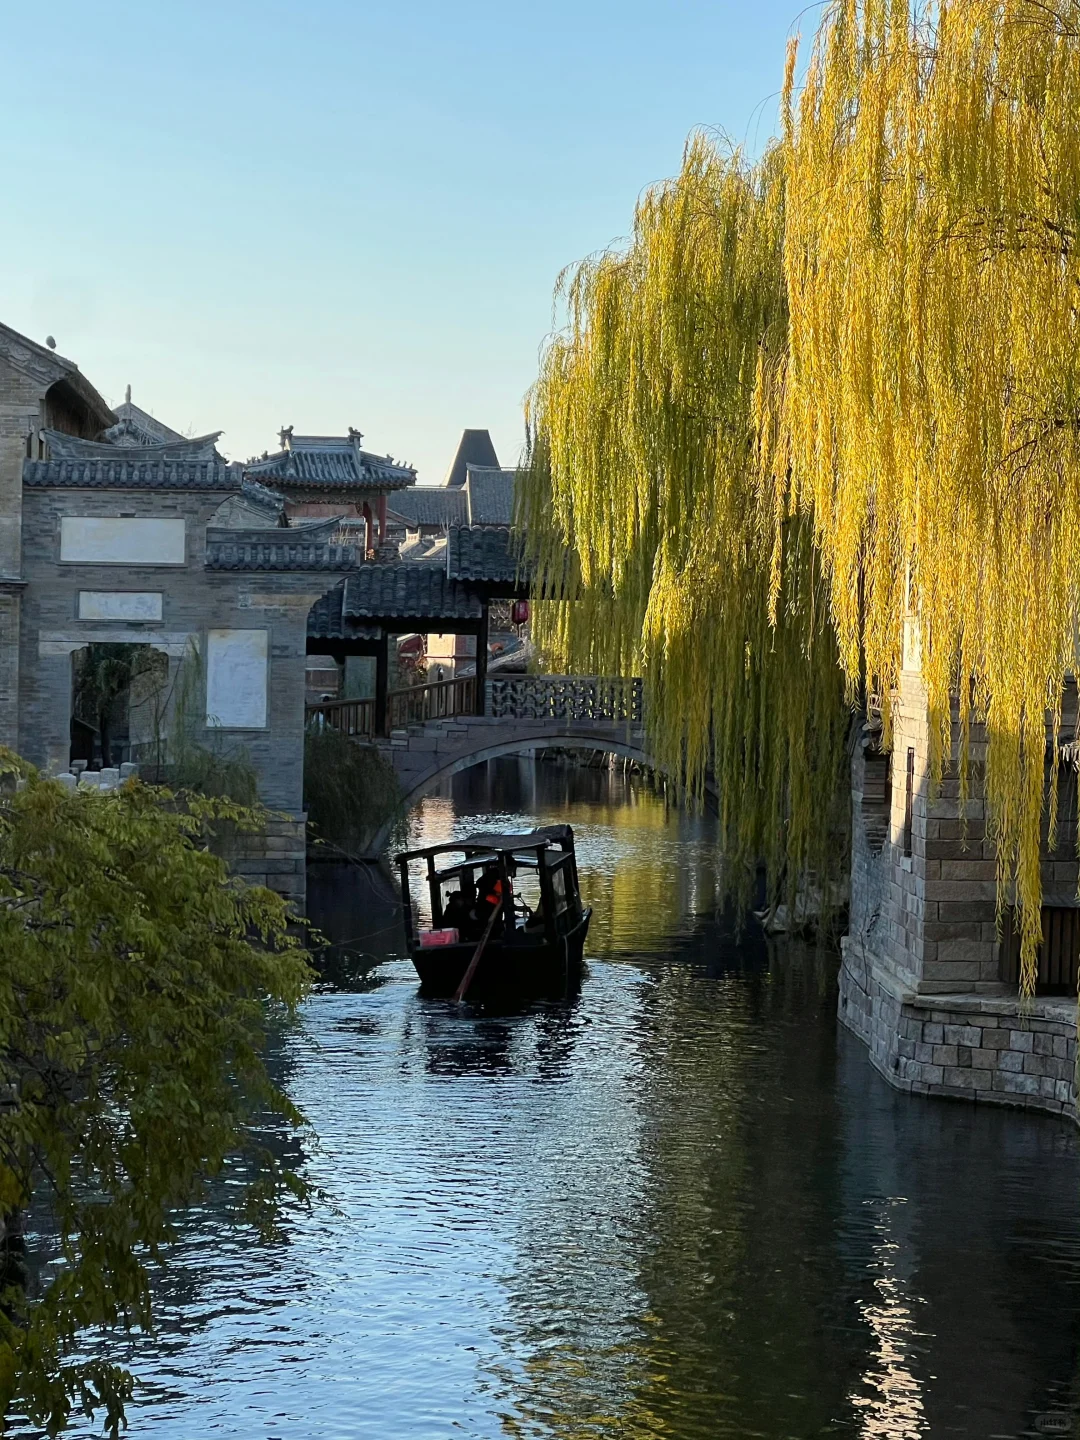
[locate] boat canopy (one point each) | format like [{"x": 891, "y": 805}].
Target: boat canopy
[{"x": 498, "y": 844}]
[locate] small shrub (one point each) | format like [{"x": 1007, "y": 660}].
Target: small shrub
[{"x": 350, "y": 790}]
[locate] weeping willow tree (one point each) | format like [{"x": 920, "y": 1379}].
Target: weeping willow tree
[
  {"x": 658, "y": 547},
  {"x": 931, "y": 425},
  {"x": 820, "y": 394}
]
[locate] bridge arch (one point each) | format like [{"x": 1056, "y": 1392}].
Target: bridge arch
[{"x": 416, "y": 783}]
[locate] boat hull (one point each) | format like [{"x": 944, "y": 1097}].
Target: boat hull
[{"x": 546, "y": 968}]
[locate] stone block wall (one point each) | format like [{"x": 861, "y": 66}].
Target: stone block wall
[
  {"x": 194, "y": 600},
  {"x": 994, "y": 1049},
  {"x": 920, "y": 978},
  {"x": 276, "y": 858}
]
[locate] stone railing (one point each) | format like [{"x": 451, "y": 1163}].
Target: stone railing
[
  {"x": 107, "y": 779},
  {"x": 565, "y": 697}
]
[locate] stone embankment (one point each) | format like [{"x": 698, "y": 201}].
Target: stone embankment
[{"x": 998, "y": 1049}]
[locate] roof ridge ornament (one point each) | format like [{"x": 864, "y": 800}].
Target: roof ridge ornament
[
  {"x": 354, "y": 435},
  {"x": 285, "y": 437}
]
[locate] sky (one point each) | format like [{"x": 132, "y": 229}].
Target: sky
[{"x": 323, "y": 213}]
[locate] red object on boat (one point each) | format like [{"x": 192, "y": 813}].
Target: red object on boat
[
  {"x": 432, "y": 939},
  {"x": 519, "y": 615}
]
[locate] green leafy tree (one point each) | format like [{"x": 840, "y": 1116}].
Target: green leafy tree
[{"x": 136, "y": 981}]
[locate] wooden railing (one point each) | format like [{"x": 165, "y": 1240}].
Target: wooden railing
[
  {"x": 1058, "y": 955},
  {"x": 566, "y": 697},
  {"x": 441, "y": 700},
  {"x": 520, "y": 697},
  {"x": 355, "y": 718}
]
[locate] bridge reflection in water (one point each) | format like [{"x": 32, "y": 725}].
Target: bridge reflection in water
[{"x": 682, "y": 1206}]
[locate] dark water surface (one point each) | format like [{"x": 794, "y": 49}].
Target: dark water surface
[{"x": 681, "y": 1206}]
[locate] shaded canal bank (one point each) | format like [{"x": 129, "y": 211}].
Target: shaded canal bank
[{"x": 682, "y": 1205}]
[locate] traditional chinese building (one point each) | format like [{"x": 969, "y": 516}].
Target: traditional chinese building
[
  {"x": 323, "y": 476},
  {"x": 121, "y": 537}
]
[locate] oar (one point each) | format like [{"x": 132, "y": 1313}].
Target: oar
[{"x": 467, "y": 978}]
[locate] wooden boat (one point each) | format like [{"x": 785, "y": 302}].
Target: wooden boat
[{"x": 500, "y": 946}]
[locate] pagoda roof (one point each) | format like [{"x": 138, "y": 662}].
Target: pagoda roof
[{"x": 329, "y": 462}]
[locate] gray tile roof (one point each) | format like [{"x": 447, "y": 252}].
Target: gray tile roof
[
  {"x": 483, "y": 553},
  {"x": 46, "y": 366},
  {"x": 327, "y": 619},
  {"x": 89, "y": 465},
  {"x": 308, "y": 547},
  {"x": 490, "y": 493},
  {"x": 430, "y": 505},
  {"x": 329, "y": 462},
  {"x": 408, "y": 592},
  {"x": 134, "y": 426}
]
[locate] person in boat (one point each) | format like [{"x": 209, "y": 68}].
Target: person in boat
[
  {"x": 456, "y": 912},
  {"x": 489, "y": 893}
]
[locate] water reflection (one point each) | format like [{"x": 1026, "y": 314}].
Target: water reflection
[{"x": 681, "y": 1205}]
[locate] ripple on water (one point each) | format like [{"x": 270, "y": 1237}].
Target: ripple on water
[{"x": 680, "y": 1206}]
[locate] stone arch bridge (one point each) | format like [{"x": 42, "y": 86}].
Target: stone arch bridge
[{"x": 435, "y": 730}]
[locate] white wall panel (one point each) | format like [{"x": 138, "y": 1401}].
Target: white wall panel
[
  {"x": 120, "y": 605},
  {"x": 236, "y": 678},
  {"x": 105, "y": 540}
]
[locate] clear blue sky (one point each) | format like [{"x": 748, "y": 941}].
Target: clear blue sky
[{"x": 335, "y": 212}]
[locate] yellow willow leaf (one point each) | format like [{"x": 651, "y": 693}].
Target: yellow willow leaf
[
  {"x": 664, "y": 546},
  {"x": 931, "y": 415}
]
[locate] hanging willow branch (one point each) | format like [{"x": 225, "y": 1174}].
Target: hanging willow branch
[
  {"x": 652, "y": 532},
  {"x": 933, "y": 384},
  {"x": 821, "y": 394}
]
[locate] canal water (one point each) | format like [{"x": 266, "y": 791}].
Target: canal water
[{"x": 679, "y": 1206}]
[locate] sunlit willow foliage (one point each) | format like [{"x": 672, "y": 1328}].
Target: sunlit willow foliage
[
  {"x": 136, "y": 982},
  {"x": 650, "y": 528},
  {"x": 932, "y": 406},
  {"x": 882, "y": 312}
]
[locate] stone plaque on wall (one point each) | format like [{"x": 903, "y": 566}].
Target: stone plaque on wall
[
  {"x": 120, "y": 605},
  {"x": 105, "y": 540},
  {"x": 236, "y": 678}
]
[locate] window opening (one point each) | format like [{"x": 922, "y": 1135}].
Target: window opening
[{"x": 909, "y": 796}]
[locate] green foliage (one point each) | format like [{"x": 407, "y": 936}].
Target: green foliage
[
  {"x": 837, "y": 391},
  {"x": 350, "y": 790},
  {"x": 646, "y": 425},
  {"x": 135, "y": 984}
]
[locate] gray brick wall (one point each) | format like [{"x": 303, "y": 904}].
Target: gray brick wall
[
  {"x": 993, "y": 1049},
  {"x": 920, "y": 978},
  {"x": 194, "y": 601}
]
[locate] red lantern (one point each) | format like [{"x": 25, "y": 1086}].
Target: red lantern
[{"x": 519, "y": 615}]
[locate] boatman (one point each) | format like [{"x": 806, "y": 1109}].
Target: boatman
[{"x": 489, "y": 892}]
